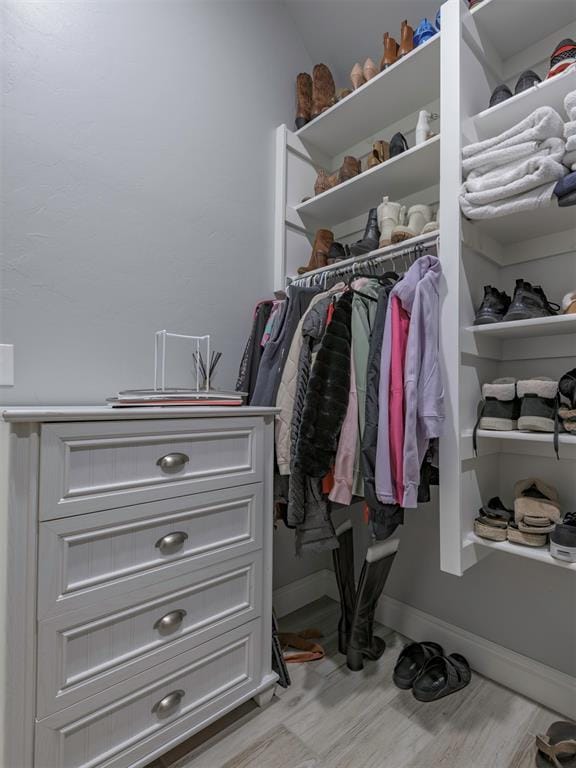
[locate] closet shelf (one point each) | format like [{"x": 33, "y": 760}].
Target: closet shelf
[
  {"x": 543, "y": 326},
  {"x": 529, "y": 437},
  {"x": 542, "y": 554},
  {"x": 399, "y": 91},
  {"x": 416, "y": 169},
  {"x": 527, "y": 225},
  {"x": 511, "y": 29},
  {"x": 503, "y": 116}
]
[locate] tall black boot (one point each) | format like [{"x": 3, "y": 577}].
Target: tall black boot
[
  {"x": 343, "y": 558},
  {"x": 371, "y": 239},
  {"x": 363, "y": 644}
]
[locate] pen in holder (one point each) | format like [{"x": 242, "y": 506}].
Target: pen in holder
[{"x": 203, "y": 372}]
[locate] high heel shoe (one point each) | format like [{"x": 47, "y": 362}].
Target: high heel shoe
[
  {"x": 390, "y": 52},
  {"x": 369, "y": 70},
  {"x": 357, "y": 76}
]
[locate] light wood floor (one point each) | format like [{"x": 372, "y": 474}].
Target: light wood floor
[{"x": 333, "y": 718}]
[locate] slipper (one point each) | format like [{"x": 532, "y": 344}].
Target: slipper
[
  {"x": 302, "y": 641},
  {"x": 496, "y": 510},
  {"x": 536, "y": 499},
  {"x": 442, "y": 676},
  {"x": 488, "y": 529},
  {"x": 558, "y": 746},
  {"x": 412, "y": 661}
]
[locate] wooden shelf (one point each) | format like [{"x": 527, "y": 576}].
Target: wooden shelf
[
  {"x": 519, "y": 227},
  {"x": 503, "y": 116},
  {"x": 512, "y": 27},
  {"x": 416, "y": 169},
  {"x": 544, "y": 326},
  {"x": 399, "y": 91},
  {"x": 541, "y": 554}
]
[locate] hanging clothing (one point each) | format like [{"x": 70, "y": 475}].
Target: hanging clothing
[
  {"x": 384, "y": 518},
  {"x": 400, "y": 320},
  {"x": 327, "y": 395},
  {"x": 250, "y": 362},
  {"x": 343, "y": 487},
  {"x": 423, "y": 393},
  {"x": 309, "y": 330},
  {"x": 275, "y": 352}
]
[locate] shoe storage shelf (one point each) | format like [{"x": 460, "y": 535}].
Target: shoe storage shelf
[
  {"x": 480, "y": 49},
  {"x": 387, "y": 103}
]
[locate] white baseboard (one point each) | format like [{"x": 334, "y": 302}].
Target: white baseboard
[
  {"x": 521, "y": 674},
  {"x": 530, "y": 678}
]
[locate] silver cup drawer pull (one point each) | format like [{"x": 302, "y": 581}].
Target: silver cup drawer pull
[
  {"x": 172, "y": 462},
  {"x": 168, "y": 705},
  {"x": 172, "y": 542},
  {"x": 170, "y": 622}
]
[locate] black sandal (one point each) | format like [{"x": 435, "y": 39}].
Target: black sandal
[
  {"x": 412, "y": 661},
  {"x": 442, "y": 676},
  {"x": 558, "y": 746}
]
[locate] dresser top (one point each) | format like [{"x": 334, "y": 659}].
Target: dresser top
[{"x": 45, "y": 413}]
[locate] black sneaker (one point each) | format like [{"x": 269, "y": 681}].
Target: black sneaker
[
  {"x": 538, "y": 404},
  {"x": 494, "y": 306},
  {"x": 528, "y": 303}
]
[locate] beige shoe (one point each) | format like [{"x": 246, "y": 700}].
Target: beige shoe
[
  {"x": 357, "y": 76},
  {"x": 390, "y": 215},
  {"x": 369, "y": 70},
  {"x": 418, "y": 217},
  {"x": 432, "y": 226},
  {"x": 569, "y": 304}
]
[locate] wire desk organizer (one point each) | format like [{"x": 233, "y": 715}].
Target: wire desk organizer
[
  {"x": 415, "y": 248},
  {"x": 161, "y": 341}
]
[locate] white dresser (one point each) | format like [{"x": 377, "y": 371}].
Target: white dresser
[{"x": 136, "y": 557}]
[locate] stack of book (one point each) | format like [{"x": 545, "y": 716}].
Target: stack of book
[{"x": 153, "y": 398}]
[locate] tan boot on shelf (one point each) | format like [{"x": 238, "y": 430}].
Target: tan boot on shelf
[
  {"x": 323, "y": 90},
  {"x": 303, "y": 99},
  {"x": 341, "y": 93},
  {"x": 320, "y": 250},
  {"x": 390, "y": 52},
  {"x": 406, "y": 39},
  {"x": 357, "y": 76},
  {"x": 323, "y": 182},
  {"x": 380, "y": 153},
  {"x": 369, "y": 70},
  {"x": 350, "y": 167},
  {"x": 418, "y": 217},
  {"x": 390, "y": 215}
]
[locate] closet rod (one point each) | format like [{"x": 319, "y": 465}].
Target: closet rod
[{"x": 390, "y": 252}]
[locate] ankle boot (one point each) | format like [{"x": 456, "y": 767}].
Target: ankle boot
[
  {"x": 380, "y": 153},
  {"x": 369, "y": 70},
  {"x": 323, "y": 89},
  {"x": 406, "y": 40},
  {"x": 350, "y": 167},
  {"x": 390, "y": 215},
  {"x": 369, "y": 241},
  {"x": 363, "y": 644},
  {"x": 343, "y": 559},
  {"x": 390, "y": 52},
  {"x": 418, "y": 217},
  {"x": 303, "y": 99},
  {"x": 357, "y": 76},
  {"x": 320, "y": 250},
  {"x": 322, "y": 183},
  {"x": 336, "y": 253}
]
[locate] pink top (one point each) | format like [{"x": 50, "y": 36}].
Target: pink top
[{"x": 396, "y": 408}]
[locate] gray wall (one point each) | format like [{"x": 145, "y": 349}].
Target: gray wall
[
  {"x": 138, "y": 174},
  {"x": 137, "y": 153}
]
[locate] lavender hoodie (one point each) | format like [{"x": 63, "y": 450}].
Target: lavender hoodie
[{"x": 418, "y": 292}]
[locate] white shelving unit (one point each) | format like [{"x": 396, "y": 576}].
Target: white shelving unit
[
  {"x": 455, "y": 74},
  {"x": 480, "y": 49}
]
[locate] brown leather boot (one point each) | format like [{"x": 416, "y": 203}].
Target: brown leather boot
[
  {"x": 323, "y": 89},
  {"x": 390, "y": 52},
  {"x": 380, "y": 153},
  {"x": 323, "y": 182},
  {"x": 320, "y": 250},
  {"x": 406, "y": 40},
  {"x": 303, "y": 99},
  {"x": 350, "y": 167}
]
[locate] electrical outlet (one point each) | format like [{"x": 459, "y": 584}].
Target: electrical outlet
[{"x": 6, "y": 365}]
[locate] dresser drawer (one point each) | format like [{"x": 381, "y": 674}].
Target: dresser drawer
[
  {"x": 86, "y": 467},
  {"x": 89, "y": 558},
  {"x": 94, "y": 648},
  {"x": 123, "y": 726}
]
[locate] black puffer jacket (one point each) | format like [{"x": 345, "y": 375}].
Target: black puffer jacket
[{"x": 327, "y": 395}]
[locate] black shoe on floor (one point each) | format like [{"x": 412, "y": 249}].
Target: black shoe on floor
[
  {"x": 529, "y": 302},
  {"x": 494, "y": 306},
  {"x": 371, "y": 239}
]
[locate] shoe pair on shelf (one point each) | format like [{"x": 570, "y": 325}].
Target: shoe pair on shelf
[
  {"x": 398, "y": 223},
  {"x": 428, "y": 673},
  {"x": 535, "y": 515},
  {"x": 528, "y": 303},
  {"x": 350, "y": 167},
  {"x": 528, "y": 405},
  {"x": 382, "y": 150},
  {"x": 528, "y": 79}
]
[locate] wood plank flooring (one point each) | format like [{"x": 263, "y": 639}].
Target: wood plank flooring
[{"x": 333, "y": 718}]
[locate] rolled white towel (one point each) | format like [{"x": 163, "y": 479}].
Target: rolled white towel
[
  {"x": 543, "y": 123},
  {"x": 493, "y": 159},
  {"x": 570, "y": 105},
  {"x": 571, "y": 144},
  {"x": 536, "y": 173},
  {"x": 570, "y": 129},
  {"x": 529, "y": 201}
]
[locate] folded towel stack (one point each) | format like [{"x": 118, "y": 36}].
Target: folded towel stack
[
  {"x": 516, "y": 170},
  {"x": 565, "y": 190}
]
